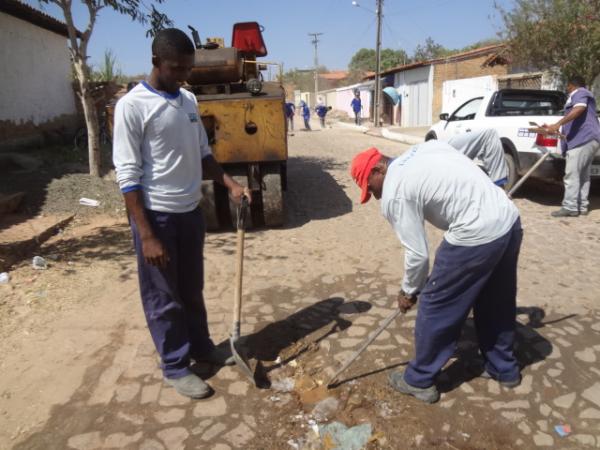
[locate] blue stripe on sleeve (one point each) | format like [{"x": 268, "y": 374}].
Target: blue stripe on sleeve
[
  {"x": 135, "y": 187},
  {"x": 501, "y": 182}
]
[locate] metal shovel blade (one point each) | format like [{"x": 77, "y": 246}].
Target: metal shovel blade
[{"x": 239, "y": 360}]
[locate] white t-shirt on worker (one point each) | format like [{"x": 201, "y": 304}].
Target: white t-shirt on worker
[
  {"x": 431, "y": 182},
  {"x": 158, "y": 145}
]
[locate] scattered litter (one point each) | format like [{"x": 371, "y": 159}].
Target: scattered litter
[
  {"x": 295, "y": 445},
  {"x": 337, "y": 436},
  {"x": 563, "y": 430},
  {"x": 88, "y": 202},
  {"x": 419, "y": 439},
  {"x": 278, "y": 360},
  {"x": 274, "y": 398},
  {"x": 293, "y": 363},
  {"x": 39, "y": 263},
  {"x": 4, "y": 278},
  {"x": 313, "y": 425},
  {"x": 283, "y": 385},
  {"x": 465, "y": 435},
  {"x": 325, "y": 409}
]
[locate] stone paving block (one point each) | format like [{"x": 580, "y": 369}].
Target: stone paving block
[
  {"x": 565, "y": 401},
  {"x": 201, "y": 426},
  {"x": 135, "y": 419},
  {"x": 127, "y": 392},
  {"x": 592, "y": 394},
  {"x": 588, "y": 355},
  {"x": 105, "y": 388},
  {"x": 238, "y": 388},
  {"x": 590, "y": 413},
  {"x": 213, "y": 431},
  {"x": 585, "y": 439},
  {"x": 515, "y": 404},
  {"x": 121, "y": 440},
  {"x": 543, "y": 440},
  {"x": 173, "y": 438},
  {"x": 151, "y": 444},
  {"x": 239, "y": 436},
  {"x": 169, "y": 416},
  {"x": 150, "y": 393},
  {"x": 85, "y": 441},
  {"x": 212, "y": 407}
]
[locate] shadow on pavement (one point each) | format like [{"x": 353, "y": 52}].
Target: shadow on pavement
[{"x": 313, "y": 193}]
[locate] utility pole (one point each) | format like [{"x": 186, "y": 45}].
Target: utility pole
[
  {"x": 379, "y": 12},
  {"x": 315, "y": 42}
]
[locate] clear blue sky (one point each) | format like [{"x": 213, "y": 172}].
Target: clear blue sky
[{"x": 346, "y": 28}]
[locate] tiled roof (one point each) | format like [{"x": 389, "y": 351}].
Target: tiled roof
[{"x": 25, "y": 12}]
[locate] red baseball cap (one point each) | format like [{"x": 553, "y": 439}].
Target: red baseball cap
[{"x": 361, "y": 167}]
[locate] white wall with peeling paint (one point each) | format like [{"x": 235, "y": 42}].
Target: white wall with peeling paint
[{"x": 35, "y": 73}]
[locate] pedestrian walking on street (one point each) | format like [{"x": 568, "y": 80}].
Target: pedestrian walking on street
[
  {"x": 475, "y": 265},
  {"x": 290, "y": 110},
  {"x": 161, "y": 154},
  {"x": 305, "y": 115},
  {"x": 581, "y": 129},
  {"x": 356, "y": 105}
]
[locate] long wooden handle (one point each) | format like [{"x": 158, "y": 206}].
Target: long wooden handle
[
  {"x": 527, "y": 174},
  {"x": 364, "y": 345},
  {"x": 239, "y": 269}
]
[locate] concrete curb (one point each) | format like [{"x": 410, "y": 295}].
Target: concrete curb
[
  {"x": 404, "y": 138},
  {"x": 352, "y": 126}
]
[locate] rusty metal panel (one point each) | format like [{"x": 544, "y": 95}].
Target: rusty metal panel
[{"x": 245, "y": 130}]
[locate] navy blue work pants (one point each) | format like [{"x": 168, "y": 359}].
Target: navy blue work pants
[
  {"x": 172, "y": 297},
  {"x": 483, "y": 278}
]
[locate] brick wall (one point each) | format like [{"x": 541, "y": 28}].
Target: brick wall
[{"x": 457, "y": 70}]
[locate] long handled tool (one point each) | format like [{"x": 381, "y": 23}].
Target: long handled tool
[
  {"x": 527, "y": 174},
  {"x": 237, "y": 301},
  {"x": 363, "y": 346},
  {"x": 540, "y": 130}
]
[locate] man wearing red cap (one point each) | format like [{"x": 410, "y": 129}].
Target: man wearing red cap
[{"x": 475, "y": 265}]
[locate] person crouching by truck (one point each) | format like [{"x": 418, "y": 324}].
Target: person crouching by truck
[
  {"x": 475, "y": 267},
  {"x": 305, "y": 115}
]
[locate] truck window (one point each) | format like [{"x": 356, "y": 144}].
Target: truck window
[
  {"x": 467, "y": 111},
  {"x": 541, "y": 103}
]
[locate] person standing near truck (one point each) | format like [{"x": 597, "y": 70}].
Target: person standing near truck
[
  {"x": 581, "y": 129},
  {"x": 161, "y": 154}
]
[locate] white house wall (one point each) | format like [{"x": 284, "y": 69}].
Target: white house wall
[
  {"x": 35, "y": 72},
  {"x": 457, "y": 92}
]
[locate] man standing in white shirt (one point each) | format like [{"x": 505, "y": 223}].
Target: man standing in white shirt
[
  {"x": 475, "y": 265},
  {"x": 161, "y": 153}
]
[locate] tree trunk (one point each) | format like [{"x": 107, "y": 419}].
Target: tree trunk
[{"x": 91, "y": 117}]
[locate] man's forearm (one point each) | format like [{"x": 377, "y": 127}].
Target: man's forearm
[
  {"x": 134, "y": 202},
  {"x": 574, "y": 114},
  {"x": 212, "y": 170}
]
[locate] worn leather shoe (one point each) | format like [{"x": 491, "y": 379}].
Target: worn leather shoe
[
  {"x": 427, "y": 395},
  {"x": 219, "y": 356},
  {"x": 507, "y": 384},
  {"x": 190, "y": 386},
  {"x": 562, "y": 212}
]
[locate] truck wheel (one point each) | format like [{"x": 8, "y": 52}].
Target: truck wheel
[
  {"x": 513, "y": 176},
  {"x": 430, "y": 136},
  {"x": 272, "y": 196}
]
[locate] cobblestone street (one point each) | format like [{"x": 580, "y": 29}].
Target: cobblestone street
[{"x": 79, "y": 370}]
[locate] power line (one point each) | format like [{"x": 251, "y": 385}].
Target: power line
[{"x": 315, "y": 42}]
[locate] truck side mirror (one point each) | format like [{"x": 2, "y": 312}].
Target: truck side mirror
[{"x": 444, "y": 116}]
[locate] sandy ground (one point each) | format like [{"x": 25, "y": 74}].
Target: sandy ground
[{"x": 78, "y": 370}]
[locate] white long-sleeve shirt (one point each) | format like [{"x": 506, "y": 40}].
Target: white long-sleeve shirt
[
  {"x": 158, "y": 146},
  {"x": 485, "y": 145},
  {"x": 432, "y": 182}
]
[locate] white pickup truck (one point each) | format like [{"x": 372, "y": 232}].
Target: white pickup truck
[{"x": 509, "y": 112}]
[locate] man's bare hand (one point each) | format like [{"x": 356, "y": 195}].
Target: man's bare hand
[
  {"x": 155, "y": 252},
  {"x": 406, "y": 301},
  {"x": 236, "y": 193},
  {"x": 552, "y": 129}
]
